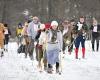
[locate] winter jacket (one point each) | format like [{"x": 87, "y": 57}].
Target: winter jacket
[
  {"x": 32, "y": 30},
  {"x": 95, "y": 34},
  {"x": 2, "y": 29},
  {"x": 18, "y": 31},
  {"x": 42, "y": 38},
  {"x": 81, "y": 28},
  {"x": 59, "y": 41},
  {"x": 7, "y": 32}
]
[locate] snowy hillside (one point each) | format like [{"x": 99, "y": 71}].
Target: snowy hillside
[{"x": 14, "y": 66}]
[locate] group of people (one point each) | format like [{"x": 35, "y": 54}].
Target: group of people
[{"x": 49, "y": 40}]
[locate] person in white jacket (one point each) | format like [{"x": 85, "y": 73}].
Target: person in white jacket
[{"x": 42, "y": 47}]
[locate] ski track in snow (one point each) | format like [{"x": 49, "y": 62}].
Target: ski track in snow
[{"x": 14, "y": 66}]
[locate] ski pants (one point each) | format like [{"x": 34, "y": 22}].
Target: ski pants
[
  {"x": 97, "y": 42},
  {"x": 80, "y": 39}
]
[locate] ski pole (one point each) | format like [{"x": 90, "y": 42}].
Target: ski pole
[{"x": 60, "y": 63}]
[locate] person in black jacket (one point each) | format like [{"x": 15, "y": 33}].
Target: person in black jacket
[
  {"x": 95, "y": 28},
  {"x": 7, "y": 34}
]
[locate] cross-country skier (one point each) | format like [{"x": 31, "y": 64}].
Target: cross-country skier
[
  {"x": 7, "y": 36},
  {"x": 18, "y": 33},
  {"x": 81, "y": 29},
  {"x": 54, "y": 45},
  {"x": 25, "y": 41},
  {"x": 32, "y": 32},
  {"x": 66, "y": 31},
  {"x": 41, "y": 47},
  {"x": 95, "y": 28}
]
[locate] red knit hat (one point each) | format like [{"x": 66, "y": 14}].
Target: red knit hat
[{"x": 47, "y": 25}]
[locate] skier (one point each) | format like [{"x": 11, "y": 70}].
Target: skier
[
  {"x": 7, "y": 36},
  {"x": 95, "y": 28},
  {"x": 32, "y": 32},
  {"x": 72, "y": 35},
  {"x": 25, "y": 41},
  {"x": 66, "y": 30},
  {"x": 81, "y": 29},
  {"x": 2, "y": 30},
  {"x": 41, "y": 48},
  {"x": 18, "y": 33},
  {"x": 54, "y": 45}
]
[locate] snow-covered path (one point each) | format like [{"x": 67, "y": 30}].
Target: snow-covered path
[{"x": 14, "y": 66}]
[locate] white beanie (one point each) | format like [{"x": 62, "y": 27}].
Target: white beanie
[
  {"x": 42, "y": 26},
  {"x": 54, "y": 23}
]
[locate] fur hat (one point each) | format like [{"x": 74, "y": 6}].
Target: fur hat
[
  {"x": 35, "y": 18},
  {"x": 54, "y": 23}
]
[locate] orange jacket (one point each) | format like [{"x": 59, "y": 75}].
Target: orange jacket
[{"x": 2, "y": 29}]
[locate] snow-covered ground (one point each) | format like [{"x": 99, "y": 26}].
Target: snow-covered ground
[{"x": 14, "y": 66}]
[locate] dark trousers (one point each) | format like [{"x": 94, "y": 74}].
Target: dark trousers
[
  {"x": 57, "y": 65},
  {"x": 64, "y": 46},
  {"x": 6, "y": 40},
  {"x": 80, "y": 39},
  {"x": 30, "y": 48},
  {"x": 97, "y": 43}
]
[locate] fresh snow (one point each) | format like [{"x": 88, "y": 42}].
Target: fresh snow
[{"x": 14, "y": 66}]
